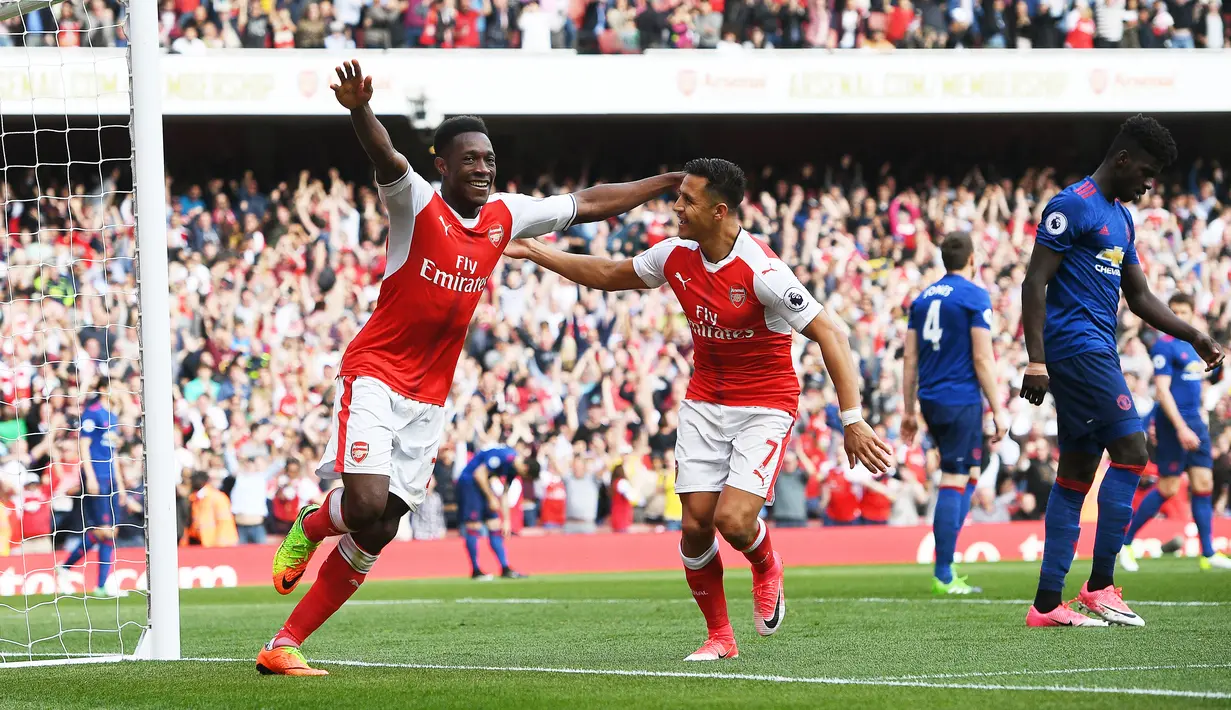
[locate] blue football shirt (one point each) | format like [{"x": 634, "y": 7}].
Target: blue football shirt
[
  {"x": 99, "y": 426},
  {"x": 498, "y": 460},
  {"x": 942, "y": 317},
  {"x": 1179, "y": 361},
  {"x": 1096, "y": 237}
]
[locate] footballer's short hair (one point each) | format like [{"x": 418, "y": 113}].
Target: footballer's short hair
[
  {"x": 1148, "y": 135},
  {"x": 453, "y": 127},
  {"x": 1179, "y": 298},
  {"x": 955, "y": 251},
  {"x": 723, "y": 178}
]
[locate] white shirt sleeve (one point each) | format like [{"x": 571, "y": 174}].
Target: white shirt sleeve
[
  {"x": 784, "y": 297},
  {"x": 404, "y": 199},
  {"x": 534, "y": 217},
  {"x": 650, "y": 263}
]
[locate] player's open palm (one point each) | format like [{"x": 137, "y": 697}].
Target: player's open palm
[
  {"x": 353, "y": 88},
  {"x": 863, "y": 445}
]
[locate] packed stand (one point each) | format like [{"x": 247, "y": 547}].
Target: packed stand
[
  {"x": 270, "y": 282},
  {"x": 631, "y": 26}
]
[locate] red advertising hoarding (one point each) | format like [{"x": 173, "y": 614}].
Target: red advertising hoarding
[{"x": 601, "y": 552}]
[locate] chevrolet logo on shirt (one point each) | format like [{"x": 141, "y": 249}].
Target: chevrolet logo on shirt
[{"x": 1113, "y": 256}]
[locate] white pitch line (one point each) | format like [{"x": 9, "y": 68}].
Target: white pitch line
[
  {"x": 1056, "y": 671},
  {"x": 682, "y": 600},
  {"x": 879, "y": 682},
  {"x": 965, "y": 600}
]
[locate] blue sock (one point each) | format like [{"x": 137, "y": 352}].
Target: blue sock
[
  {"x": 106, "y": 557},
  {"x": 1146, "y": 510},
  {"x": 1062, "y": 523},
  {"x": 945, "y": 525},
  {"x": 496, "y": 540},
  {"x": 76, "y": 550},
  {"x": 1203, "y": 512},
  {"x": 966, "y": 495},
  {"x": 472, "y": 549},
  {"x": 1115, "y": 512}
]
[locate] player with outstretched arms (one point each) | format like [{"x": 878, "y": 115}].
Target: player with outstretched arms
[
  {"x": 1085, "y": 254},
  {"x": 949, "y": 368},
  {"x": 1184, "y": 444},
  {"x": 742, "y": 304},
  {"x": 396, "y": 374}
]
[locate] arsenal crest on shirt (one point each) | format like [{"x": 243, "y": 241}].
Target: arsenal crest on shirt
[
  {"x": 495, "y": 235},
  {"x": 738, "y": 295}
]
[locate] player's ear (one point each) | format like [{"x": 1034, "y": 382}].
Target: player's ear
[
  {"x": 720, "y": 211},
  {"x": 440, "y": 166}
]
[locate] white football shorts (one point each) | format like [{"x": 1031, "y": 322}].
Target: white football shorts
[
  {"x": 741, "y": 447},
  {"x": 379, "y": 432}
]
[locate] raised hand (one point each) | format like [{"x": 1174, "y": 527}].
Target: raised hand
[{"x": 353, "y": 88}]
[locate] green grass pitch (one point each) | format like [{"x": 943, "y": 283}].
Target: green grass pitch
[{"x": 853, "y": 637}]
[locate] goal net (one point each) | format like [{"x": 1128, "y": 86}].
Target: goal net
[{"x": 77, "y": 419}]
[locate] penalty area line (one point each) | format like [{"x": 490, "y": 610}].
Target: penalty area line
[{"x": 877, "y": 682}]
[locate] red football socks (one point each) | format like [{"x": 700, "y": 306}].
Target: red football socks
[
  {"x": 706, "y": 585},
  {"x": 337, "y": 580},
  {"x": 761, "y": 553},
  {"x": 325, "y": 521}
]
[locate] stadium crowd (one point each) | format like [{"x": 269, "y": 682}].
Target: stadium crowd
[
  {"x": 624, "y": 26},
  {"x": 269, "y": 282}
]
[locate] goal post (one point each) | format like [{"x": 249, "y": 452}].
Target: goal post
[
  {"x": 163, "y": 633},
  {"x": 84, "y": 304}
]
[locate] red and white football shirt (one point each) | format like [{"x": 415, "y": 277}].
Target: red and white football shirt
[
  {"x": 438, "y": 266},
  {"x": 741, "y": 311}
]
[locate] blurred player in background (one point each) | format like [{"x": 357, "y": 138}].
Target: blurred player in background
[
  {"x": 1183, "y": 441},
  {"x": 741, "y": 303},
  {"x": 949, "y": 368},
  {"x": 104, "y": 494},
  {"x": 483, "y": 496},
  {"x": 395, "y": 376},
  {"x": 1085, "y": 253}
]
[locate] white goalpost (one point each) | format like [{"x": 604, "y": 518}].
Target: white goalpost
[{"x": 85, "y": 342}]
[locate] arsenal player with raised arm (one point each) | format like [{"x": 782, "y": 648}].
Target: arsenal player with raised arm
[
  {"x": 396, "y": 374},
  {"x": 742, "y": 303}
]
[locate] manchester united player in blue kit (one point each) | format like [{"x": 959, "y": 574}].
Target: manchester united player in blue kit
[
  {"x": 1085, "y": 254},
  {"x": 1183, "y": 441},
  {"x": 483, "y": 497},
  {"x": 104, "y": 491},
  {"x": 950, "y": 343}
]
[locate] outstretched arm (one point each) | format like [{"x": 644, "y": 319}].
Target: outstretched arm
[
  {"x": 354, "y": 91},
  {"x": 603, "y": 201},
  {"x": 590, "y": 271}
]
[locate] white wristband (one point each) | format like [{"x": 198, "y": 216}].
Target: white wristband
[{"x": 851, "y": 416}]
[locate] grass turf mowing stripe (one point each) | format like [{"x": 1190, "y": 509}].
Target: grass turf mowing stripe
[
  {"x": 1057, "y": 671},
  {"x": 882, "y": 682},
  {"x": 683, "y": 600}
]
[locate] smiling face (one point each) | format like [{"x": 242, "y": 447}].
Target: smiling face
[
  {"x": 697, "y": 208},
  {"x": 468, "y": 170}
]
